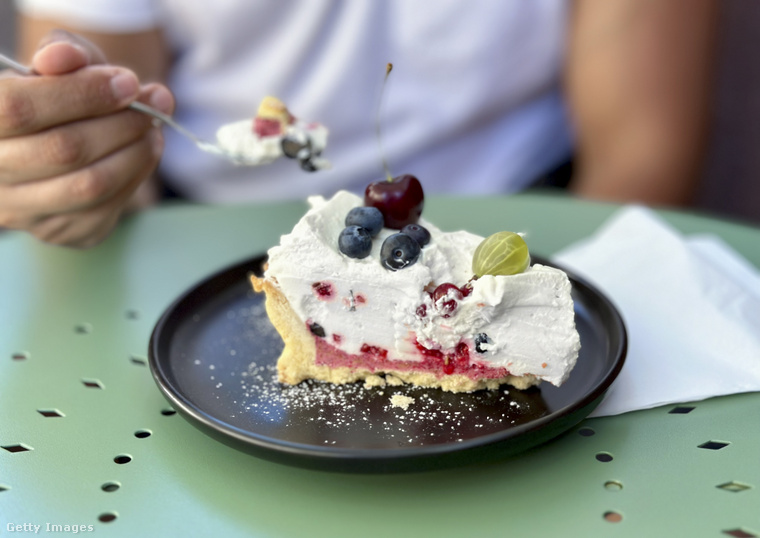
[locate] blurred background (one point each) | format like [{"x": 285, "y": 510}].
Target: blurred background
[
  {"x": 731, "y": 171},
  {"x": 6, "y": 25},
  {"x": 731, "y": 175},
  {"x": 7, "y": 32}
]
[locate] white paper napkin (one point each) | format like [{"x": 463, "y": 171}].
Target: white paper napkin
[{"x": 691, "y": 306}]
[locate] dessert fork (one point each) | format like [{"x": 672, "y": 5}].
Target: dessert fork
[{"x": 208, "y": 147}]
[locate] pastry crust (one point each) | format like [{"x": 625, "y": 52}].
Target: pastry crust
[{"x": 297, "y": 361}]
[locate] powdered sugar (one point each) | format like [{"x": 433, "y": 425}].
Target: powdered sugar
[
  {"x": 398, "y": 416},
  {"x": 242, "y": 391}
]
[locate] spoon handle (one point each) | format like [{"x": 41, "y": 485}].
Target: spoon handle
[
  {"x": 165, "y": 118},
  {"x": 13, "y": 64}
]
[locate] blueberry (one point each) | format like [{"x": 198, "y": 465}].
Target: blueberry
[
  {"x": 355, "y": 242},
  {"x": 307, "y": 165},
  {"x": 317, "y": 330},
  {"x": 366, "y": 217},
  {"x": 398, "y": 251},
  {"x": 481, "y": 342},
  {"x": 418, "y": 233},
  {"x": 296, "y": 146}
]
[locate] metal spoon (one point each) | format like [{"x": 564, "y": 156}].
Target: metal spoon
[{"x": 208, "y": 147}]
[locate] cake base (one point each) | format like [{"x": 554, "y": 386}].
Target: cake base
[{"x": 298, "y": 361}]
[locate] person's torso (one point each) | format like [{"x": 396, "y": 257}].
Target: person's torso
[{"x": 472, "y": 104}]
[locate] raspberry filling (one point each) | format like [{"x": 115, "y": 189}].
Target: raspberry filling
[
  {"x": 375, "y": 359},
  {"x": 323, "y": 290}
]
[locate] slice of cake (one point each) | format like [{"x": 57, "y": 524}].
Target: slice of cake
[
  {"x": 275, "y": 133},
  {"x": 356, "y": 301}
]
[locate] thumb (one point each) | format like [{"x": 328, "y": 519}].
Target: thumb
[{"x": 61, "y": 52}]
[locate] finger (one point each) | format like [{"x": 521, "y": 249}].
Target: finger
[
  {"x": 159, "y": 97},
  {"x": 77, "y": 230},
  {"x": 59, "y": 58},
  {"x": 62, "y": 52},
  {"x": 88, "y": 227},
  {"x": 26, "y": 204},
  {"x": 62, "y": 150},
  {"x": 31, "y": 104}
]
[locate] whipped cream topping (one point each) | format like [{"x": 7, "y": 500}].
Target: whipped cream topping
[
  {"x": 239, "y": 139},
  {"x": 524, "y": 323}
]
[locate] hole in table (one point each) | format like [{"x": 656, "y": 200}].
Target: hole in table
[
  {"x": 107, "y": 517},
  {"x": 604, "y": 457},
  {"x": 83, "y": 328},
  {"x": 734, "y": 486},
  {"x": 142, "y": 434},
  {"x": 50, "y": 413},
  {"x": 168, "y": 412},
  {"x": 110, "y": 486},
  {"x": 613, "y": 517},
  {"x": 714, "y": 445},
  {"x": 681, "y": 410},
  {"x": 740, "y": 533},
  {"x": 121, "y": 459},
  {"x": 586, "y": 432},
  {"x": 132, "y": 314},
  {"x": 13, "y": 449},
  {"x": 140, "y": 361},
  {"x": 613, "y": 485},
  {"x": 92, "y": 383},
  {"x": 20, "y": 356}
]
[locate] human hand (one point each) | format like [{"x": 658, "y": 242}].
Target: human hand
[{"x": 71, "y": 153}]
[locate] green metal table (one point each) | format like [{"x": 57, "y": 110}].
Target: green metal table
[{"x": 90, "y": 445}]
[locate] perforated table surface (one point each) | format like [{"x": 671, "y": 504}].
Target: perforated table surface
[{"x": 89, "y": 444}]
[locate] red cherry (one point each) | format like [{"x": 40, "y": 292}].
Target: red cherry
[
  {"x": 399, "y": 200},
  {"x": 446, "y": 297}
]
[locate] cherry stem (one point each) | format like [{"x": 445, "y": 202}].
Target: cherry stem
[{"x": 378, "y": 128}]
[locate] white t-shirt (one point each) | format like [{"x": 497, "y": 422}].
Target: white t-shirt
[{"x": 473, "y": 104}]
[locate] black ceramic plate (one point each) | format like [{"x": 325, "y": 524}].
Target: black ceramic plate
[{"x": 213, "y": 355}]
